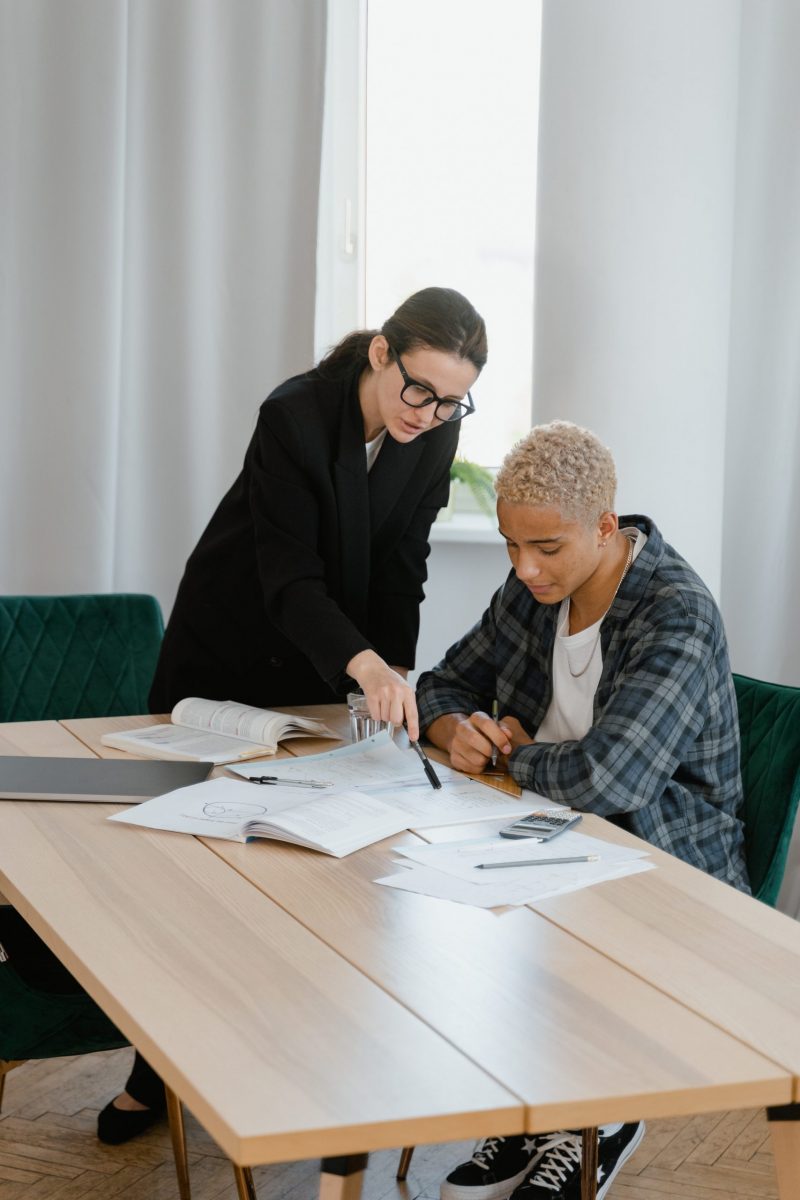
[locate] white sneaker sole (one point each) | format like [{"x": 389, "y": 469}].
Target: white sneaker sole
[
  {"x": 489, "y": 1191},
  {"x": 623, "y": 1158}
]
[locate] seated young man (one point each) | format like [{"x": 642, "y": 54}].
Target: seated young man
[{"x": 607, "y": 657}]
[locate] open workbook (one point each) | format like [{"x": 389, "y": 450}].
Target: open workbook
[
  {"x": 335, "y": 823},
  {"x": 216, "y": 731}
]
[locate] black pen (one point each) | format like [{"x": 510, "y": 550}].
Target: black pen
[
  {"x": 433, "y": 778},
  {"x": 279, "y": 781}
]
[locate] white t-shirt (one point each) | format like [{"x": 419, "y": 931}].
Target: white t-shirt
[
  {"x": 373, "y": 449},
  {"x": 577, "y": 666}
]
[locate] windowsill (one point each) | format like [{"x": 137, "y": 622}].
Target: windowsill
[{"x": 466, "y": 527}]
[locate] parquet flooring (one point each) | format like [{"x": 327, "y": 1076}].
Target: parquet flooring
[{"x": 48, "y": 1151}]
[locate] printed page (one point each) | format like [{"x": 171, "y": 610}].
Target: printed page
[
  {"x": 229, "y": 718},
  {"x": 227, "y": 808},
  {"x": 380, "y": 767},
  {"x": 217, "y": 808},
  {"x": 176, "y": 741},
  {"x": 368, "y": 764},
  {"x": 244, "y": 721},
  {"x": 459, "y": 800},
  {"x": 337, "y": 824}
]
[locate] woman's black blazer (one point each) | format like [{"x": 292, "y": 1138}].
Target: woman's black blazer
[{"x": 308, "y": 559}]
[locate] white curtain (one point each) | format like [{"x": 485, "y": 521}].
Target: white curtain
[
  {"x": 158, "y": 211},
  {"x": 668, "y": 282},
  {"x": 761, "y": 542}
]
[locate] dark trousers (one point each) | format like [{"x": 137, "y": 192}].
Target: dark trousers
[{"x": 144, "y": 1085}]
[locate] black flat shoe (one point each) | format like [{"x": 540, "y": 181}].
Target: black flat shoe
[{"x": 118, "y": 1125}]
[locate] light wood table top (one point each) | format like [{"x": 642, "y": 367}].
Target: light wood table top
[
  {"x": 719, "y": 952},
  {"x": 724, "y": 955},
  {"x": 300, "y": 1010}
]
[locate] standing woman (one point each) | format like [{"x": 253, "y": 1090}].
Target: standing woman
[{"x": 309, "y": 575}]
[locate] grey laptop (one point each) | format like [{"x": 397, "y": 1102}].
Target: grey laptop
[{"x": 94, "y": 780}]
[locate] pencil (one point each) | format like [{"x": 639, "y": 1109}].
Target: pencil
[{"x": 537, "y": 862}]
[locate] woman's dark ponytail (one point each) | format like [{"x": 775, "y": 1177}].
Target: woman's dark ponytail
[{"x": 439, "y": 318}]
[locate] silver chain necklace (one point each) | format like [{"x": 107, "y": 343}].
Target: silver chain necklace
[{"x": 625, "y": 569}]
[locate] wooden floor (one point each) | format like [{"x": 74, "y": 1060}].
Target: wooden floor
[{"x": 48, "y": 1151}]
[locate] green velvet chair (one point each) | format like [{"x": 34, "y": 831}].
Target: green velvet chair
[
  {"x": 77, "y": 656},
  {"x": 47, "y": 1014},
  {"x": 769, "y": 725},
  {"x": 62, "y": 657}
]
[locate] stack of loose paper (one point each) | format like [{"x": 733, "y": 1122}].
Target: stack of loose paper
[
  {"x": 379, "y": 767},
  {"x": 450, "y": 871}
]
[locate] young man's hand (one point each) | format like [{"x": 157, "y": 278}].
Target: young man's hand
[
  {"x": 517, "y": 734},
  {"x": 469, "y": 739}
]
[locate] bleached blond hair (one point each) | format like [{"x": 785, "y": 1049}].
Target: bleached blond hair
[{"x": 563, "y": 466}]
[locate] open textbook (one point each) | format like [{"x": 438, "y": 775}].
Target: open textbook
[
  {"x": 216, "y": 731},
  {"x": 336, "y": 823}
]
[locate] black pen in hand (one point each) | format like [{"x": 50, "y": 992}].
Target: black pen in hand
[{"x": 433, "y": 778}]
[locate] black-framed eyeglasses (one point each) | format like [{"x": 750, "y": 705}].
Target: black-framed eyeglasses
[{"x": 419, "y": 395}]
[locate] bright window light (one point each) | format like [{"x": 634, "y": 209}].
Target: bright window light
[{"x": 452, "y": 117}]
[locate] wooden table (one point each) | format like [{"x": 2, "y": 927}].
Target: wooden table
[{"x": 301, "y": 1011}]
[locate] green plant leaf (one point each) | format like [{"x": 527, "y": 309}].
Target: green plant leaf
[{"x": 478, "y": 480}]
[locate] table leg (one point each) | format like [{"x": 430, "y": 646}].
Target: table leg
[
  {"x": 405, "y": 1162},
  {"x": 784, "y": 1128},
  {"x": 7, "y": 1065},
  {"x": 245, "y": 1188},
  {"x": 178, "y": 1135},
  {"x": 341, "y": 1178},
  {"x": 589, "y": 1164}
]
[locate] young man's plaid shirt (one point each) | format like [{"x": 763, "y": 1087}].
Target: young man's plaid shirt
[{"x": 662, "y": 755}]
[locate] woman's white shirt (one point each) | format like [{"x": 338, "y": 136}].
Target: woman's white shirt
[{"x": 373, "y": 449}]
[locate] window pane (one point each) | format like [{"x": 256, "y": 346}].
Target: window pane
[{"x": 452, "y": 115}]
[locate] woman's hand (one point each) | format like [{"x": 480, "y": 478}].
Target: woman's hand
[{"x": 389, "y": 696}]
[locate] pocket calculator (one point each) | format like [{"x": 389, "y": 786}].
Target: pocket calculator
[{"x": 541, "y": 825}]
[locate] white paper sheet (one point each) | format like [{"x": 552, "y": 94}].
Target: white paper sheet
[
  {"x": 376, "y": 760},
  {"x": 376, "y": 765},
  {"x": 460, "y": 858},
  {"x": 548, "y": 881}
]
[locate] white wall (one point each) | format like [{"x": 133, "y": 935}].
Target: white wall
[{"x": 462, "y": 576}]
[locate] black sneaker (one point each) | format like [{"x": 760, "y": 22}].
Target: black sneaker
[
  {"x": 558, "y": 1173},
  {"x": 497, "y": 1165}
]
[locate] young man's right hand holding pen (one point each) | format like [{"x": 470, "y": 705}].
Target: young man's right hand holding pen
[{"x": 470, "y": 739}]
